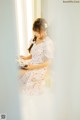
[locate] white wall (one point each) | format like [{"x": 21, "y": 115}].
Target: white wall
[
  {"x": 9, "y": 99},
  {"x": 64, "y": 29}
]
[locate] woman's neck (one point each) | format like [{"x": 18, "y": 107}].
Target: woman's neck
[
  {"x": 41, "y": 39},
  {"x": 38, "y": 41}
]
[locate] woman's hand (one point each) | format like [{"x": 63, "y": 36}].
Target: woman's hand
[
  {"x": 26, "y": 57},
  {"x": 30, "y": 67},
  {"x": 38, "y": 66},
  {"x": 22, "y": 57}
]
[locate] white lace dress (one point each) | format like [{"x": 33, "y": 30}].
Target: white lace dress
[{"x": 34, "y": 100}]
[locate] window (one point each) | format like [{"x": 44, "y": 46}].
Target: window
[{"x": 26, "y": 12}]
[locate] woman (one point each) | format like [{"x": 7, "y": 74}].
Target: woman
[
  {"x": 33, "y": 82},
  {"x": 36, "y": 99}
]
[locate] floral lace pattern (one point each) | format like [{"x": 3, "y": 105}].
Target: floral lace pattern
[{"x": 33, "y": 81}]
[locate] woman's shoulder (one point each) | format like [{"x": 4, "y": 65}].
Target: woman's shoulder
[
  {"x": 48, "y": 40},
  {"x": 49, "y": 44}
]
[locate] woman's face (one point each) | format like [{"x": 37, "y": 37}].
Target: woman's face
[
  {"x": 39, "y": 35},
  {"x": 36, "y": 34}
]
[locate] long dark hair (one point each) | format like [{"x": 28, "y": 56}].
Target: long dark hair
[
  {"x": 38, "y": 25},
  {"x": 30, "y": 47}
]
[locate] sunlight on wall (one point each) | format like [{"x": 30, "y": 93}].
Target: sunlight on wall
[
  {"x": 26, "y": 12},
  {"x": 19, "y": 20},
  {"x": 29, "y": 19},
  {"x": 22, "y": 6}
]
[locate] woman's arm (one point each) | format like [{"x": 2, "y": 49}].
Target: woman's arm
[
  {"x": 39, "y": 66},
  {"x": 26, "y": 57}
]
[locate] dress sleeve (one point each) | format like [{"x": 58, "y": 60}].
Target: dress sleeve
[{"x": 49, "y": 50}]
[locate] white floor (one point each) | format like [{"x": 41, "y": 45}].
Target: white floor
[{"x": 36, "y": 107}]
